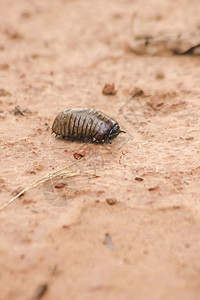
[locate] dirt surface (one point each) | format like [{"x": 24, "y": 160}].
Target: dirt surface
[{"x": 124, "y": 221}]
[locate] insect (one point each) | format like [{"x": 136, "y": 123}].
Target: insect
[{"x": 86, "y": 124}]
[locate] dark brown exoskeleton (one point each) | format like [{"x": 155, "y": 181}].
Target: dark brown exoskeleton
[{"x": 85, "y": 124}]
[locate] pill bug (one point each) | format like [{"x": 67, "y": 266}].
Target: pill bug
[{"x": 85, "y": 124}]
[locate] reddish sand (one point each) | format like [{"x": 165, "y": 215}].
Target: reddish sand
[{"x": 63, "y": 239}]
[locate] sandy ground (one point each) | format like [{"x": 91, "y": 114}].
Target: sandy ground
[{"x": 61, "y": 239}]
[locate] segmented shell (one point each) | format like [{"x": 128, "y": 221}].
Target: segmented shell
[{"x": 85, "y": 124}]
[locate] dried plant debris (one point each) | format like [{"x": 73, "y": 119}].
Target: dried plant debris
[
  {"x": 63, "y": 172},
  {"x": 154, "y": 188},
  {"x": 179, "y": 44},
  {"x": 136, "y": 92},
  {"x": 111, "y": 201},
  {"x": 47, "y": 126},
  {"x": 109, "y": 89},
  {"x": 79, "y": 154},
  {"x": 41, "y": 291},
  {"x": 139, "y": 178},
  {"x": 182, "y": 43},
  {"x": 19, "y": 111}
]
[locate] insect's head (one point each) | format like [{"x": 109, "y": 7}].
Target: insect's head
[{"x": 114, "y": 132}]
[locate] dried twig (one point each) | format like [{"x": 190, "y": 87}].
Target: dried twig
[{"x": 60, "y": 172}]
